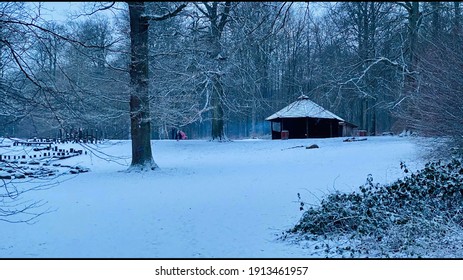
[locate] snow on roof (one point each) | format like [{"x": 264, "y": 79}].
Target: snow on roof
[{"x": 303, "y": 107}]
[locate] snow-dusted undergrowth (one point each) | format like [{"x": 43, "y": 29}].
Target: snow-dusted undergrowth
[{"x": 420, "y": 215}]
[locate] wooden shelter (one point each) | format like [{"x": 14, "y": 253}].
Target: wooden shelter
[{"x": 306, "y": 119}]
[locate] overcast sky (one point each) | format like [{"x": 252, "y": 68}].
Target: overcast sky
[
  {"x": 59, "y": 11},
  {"x": 62, "y": 11}
]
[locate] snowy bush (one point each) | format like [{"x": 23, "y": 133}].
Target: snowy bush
[{"x": 425, "y": 206}]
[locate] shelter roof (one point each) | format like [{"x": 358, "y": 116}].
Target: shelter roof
[{"x": 303, "y": 107}]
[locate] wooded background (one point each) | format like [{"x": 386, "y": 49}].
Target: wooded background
[{"x": 218, "y": 69}]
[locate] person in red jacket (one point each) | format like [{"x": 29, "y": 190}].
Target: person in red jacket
[{"x": 182, "y": 135}]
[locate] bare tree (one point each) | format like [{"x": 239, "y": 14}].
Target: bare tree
[
  {"x": 176, "y": 97},
  {"x": 217, "y": 16},
  {"x": 251, "y": 45},
  {"x": 354, "y": 45},
  {"x": 438, "y": 108},
  {"x": 140, "y": 121}
]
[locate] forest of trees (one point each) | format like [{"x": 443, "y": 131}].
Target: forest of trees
[{"x": 218, "y": 69}]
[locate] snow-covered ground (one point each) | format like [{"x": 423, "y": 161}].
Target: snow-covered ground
[{"x": 207, "y": 200}]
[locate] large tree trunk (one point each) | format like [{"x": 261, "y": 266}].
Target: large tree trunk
[
  {"x": 217, "y": 87},
  {"x": 457, "y": 17},
  {"x": 410, "y": 85},
  {"x": 217, "y": 21},
  {"x": 140, "y": 120},
  {"x": 436, "y": 21},
  {"x": 217, "y": 111},
  {"x": 414, "y": 22}
]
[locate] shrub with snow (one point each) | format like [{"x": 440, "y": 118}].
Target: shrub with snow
[{"x": 397, "y": 219}]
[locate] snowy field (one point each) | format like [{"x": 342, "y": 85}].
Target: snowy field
[{"x": 207, "y": 200}]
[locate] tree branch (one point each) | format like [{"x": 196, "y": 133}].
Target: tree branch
[
  {"x": 30, "y": 24},
  {"x": 98, "y": 10},
  {"x": 166, "y": 16},
  {"x": 223, "y": 18}
]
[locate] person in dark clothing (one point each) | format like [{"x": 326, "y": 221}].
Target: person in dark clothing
[{"x": 174, "y": 133}]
